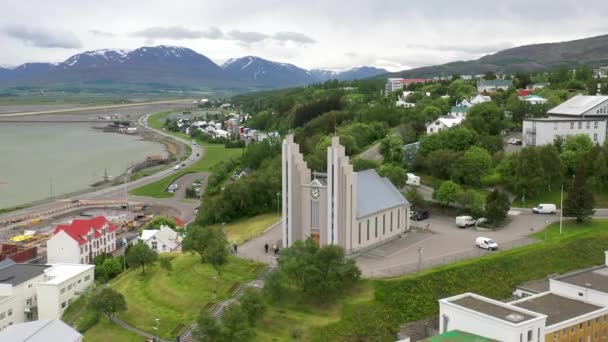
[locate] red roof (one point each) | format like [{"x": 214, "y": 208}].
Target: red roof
[
  {"x": 414, "y": 80},
  {"x": 178, "y": 222},
  {"x": 524, "y": 92},
  {"x": 78, "y": 229}
]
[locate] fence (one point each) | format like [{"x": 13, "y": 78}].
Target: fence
[{"x": 416, "y": 266}]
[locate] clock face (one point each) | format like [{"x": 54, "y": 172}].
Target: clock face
[{"x": 315, "y": 192}]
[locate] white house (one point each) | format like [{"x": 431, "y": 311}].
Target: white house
[
  {"x": 29, "y": 291},
  {"x": 81, "y": 241},
  {"x": 402, "y": 103},
  {"x": 163, "y": 240},
  {"x": 480, "y": 99},
  {"x": 441, "y": 124},
  {"x": 490, "y": 86},
  {"x": 533, "y": 99}
]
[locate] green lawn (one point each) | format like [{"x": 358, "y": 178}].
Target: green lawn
[
  {"x": 572, "y": 228},
  {"x": 105, "y": 331},
  {"x": 601, "y": 199},
  {"x": 240, "y": 231},
  {"x": 176, "y": 299}
]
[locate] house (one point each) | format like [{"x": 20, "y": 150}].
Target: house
[
  {"x": 354, "y": 210},
  {"x": 220, "y": 133},
  {"x": 573, "y": 308},
  {"x": 32, "y": 291},
  {"x": 491, "y": 86},
  {"x": 524, "y": 92},
  {"x": 533, "y": 99},
  {"x": 81, "y": 241},
  {"x": 459, "y": 111},
  {"x": 394, "y": 84},
  {"x": 163, "y": 240},
  {"x": 441, "y": 124},
  {"x": 40, "y": 331},
  {"x": 480, "y": 99},
  {"x": 579, "y": 115},
  {"x": 466, "y": 103},
  {"x": 402, "y": 103},
  {"x": 536, "y": 86}
]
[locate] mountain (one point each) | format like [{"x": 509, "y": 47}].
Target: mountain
[
  {"x": 592, "y": 52},
  {"x": 167, "y": 67},
  {"x": 267, "y": 73}
]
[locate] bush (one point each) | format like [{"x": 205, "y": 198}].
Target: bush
[{"x": 87, "y": 321}]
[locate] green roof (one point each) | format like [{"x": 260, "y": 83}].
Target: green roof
[
  {"x": 459, "y": 109},
  {"x": 458, "y": 336}
]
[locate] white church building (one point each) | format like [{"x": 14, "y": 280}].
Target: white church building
[{"x": 355, "y": 210}]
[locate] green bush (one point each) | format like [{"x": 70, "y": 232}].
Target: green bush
[
  {"x": 87, "y": 321},
  {"x": 491, "y": 179},
  {"x": 414, "y": 297}
]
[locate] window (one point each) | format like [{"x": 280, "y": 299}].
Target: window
[
  {"x": 10, "y": 312},
  {"x": 431, "y": 130},
  {"x": 588, "y": 125},
  {"x": 595, "y": 137},
  {"x": 588, "y": 323},
  {"x": 580, "y": 326},
  {"x": 555, "y": 126},
  {"x": 154, "y": 245},
  {"x": 376, "y": 226},
  {"x": 63, "y": 305},
  {"x": 572, "y": 125},
  {"x": 2, "y": 315},
  {"x": 391, "y": 221},
  {"x": 70, "y": 287},
  {"x": 530, "y": 335},
  {"x": 367, "y": 229},
  {"x": 63, "y": 290},
  {"x": 87, "y": 278},
  {"x": 398, "y": 225},
  {"x": 359, "y": 232},
  {"x": 580, "y": 125},
  {"x": 383, "y": 224},
  {"x": 595, "y": 124}
]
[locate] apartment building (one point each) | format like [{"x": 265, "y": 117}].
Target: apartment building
[
  {"x": 29, "y": 291},
  {"x": 81, "y": 241},
  {"x": 573, "y": 309}
]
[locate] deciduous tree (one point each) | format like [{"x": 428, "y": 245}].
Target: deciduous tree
[
  {"x": 209, "y": 243},
  {"x": 140, "y": 254},
  {"x": 108, "y": 301},
  {"x": 447, "y": 193},
  {"x": 253, "y": 305},
  {"x": 579, "y": 201},
  {"x": 497, "y": 207}
]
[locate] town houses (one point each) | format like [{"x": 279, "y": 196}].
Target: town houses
[{"x": 81, "y": 241}]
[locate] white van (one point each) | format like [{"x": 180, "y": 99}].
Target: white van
[
  {"x": 545, "y": 208},
  {"x": 464, "y": 221},
  {"x": 412, "y": 179},
  {"x": 176, "y": 167},
  {"x": 486, "y": 243}
]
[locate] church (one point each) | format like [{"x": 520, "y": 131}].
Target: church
[{"x": 355, "y": 210}]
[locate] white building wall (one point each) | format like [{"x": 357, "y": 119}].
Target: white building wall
[
  {"x": 579, "y": 293},
  {"x": 61, "y": 248},
  {"x": 547, "y": 131},
  {"x": 9, "y": 314},
  {"x": 435, "y": 127},
  {"x": 473, "y": 322},
  {"x": 53, "y": 299}
]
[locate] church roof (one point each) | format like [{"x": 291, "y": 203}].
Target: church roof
[{"x": 375, "y": 193}]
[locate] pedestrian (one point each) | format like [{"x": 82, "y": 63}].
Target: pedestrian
[
  {"x": 276, "y": 251},
  {"x": 266, "y": 248},
  {"x": 236, "y": 248}
]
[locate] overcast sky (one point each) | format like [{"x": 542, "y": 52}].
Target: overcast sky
[{"x": 394, "y": 34}]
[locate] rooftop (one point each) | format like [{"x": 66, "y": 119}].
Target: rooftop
[
  {"x": 458, "y": 336},
  {"x": 557, "y": 308},
  {"x": 78, "y": 229},
  {"x": 593, "y": 278},
  {"x": 537, "y": 286},
  {"x": 40, "y": 331},
  {"x": 579, "y": 105},
  {"x": 376, "y": 193},
  {"x": 504, "y": 312},
  {"x": 59, "y": 273},
  {"x": 20, "y": 273},
  {"x": 559, "y": 119}
]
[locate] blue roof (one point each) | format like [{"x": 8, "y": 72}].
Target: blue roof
[
  {"x": 459, "y": 109},
  {"x": 375, "y": 194}
]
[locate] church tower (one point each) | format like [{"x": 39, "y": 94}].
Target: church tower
[
  {"x": 339, "y": 195},
  {"x": 295, "y": 172}
]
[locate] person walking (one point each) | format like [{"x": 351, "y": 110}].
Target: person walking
[
  {"x": 236, "y": 248},
  {"x": 266, "y": 248}
]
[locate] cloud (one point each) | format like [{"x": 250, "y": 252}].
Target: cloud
[
  {"x": 177, "y": 33},
  {"x": 469, "y": 49},
  {"x": 247, "y": 37},
  {"x": 295, "y": 37},
  {"x": 102, "y": 33},
  {"x": 43, "y": 37}
]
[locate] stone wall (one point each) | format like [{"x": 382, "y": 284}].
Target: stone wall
[{"x": 419, "y": 330}]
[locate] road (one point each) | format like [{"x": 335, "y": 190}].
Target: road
[{"x": 120, "y": 191}]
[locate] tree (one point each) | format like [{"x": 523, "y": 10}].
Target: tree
[
  {"x": 575, "y": 152},
  {"x": 253, "y": 305},
  {"x": 477, "y": 162},
  {"x": 362, "y": 164},
  {"x": 235, "y": 324},
  {"x": 600, "y": 171},
  {"x": 579, "y": 201},
  {"x": 140, "y": 254},
  {"x": 489, "y": 75},
  {"x": 108, "y": 301},
  {"x": 391, "y": 149},
  {"x": 551, "y": 165},
  {"x": 485, "y": 118},
  {"x": 166, "y": 264},
  {"x": 471, "y": 202},
  {"x": 447, "y": 193},
  {"x": 394, "y": 173},
  {"x": 208, "y": 329},
  {"x": 414, "y": 197},
  {"x": 159, "y": 221},
  {"x": 497, "y": 207},
  {"x": 108, "y": 269},
  {"x": 209, "y": 243},
  {"x": 441, "y": 163}
]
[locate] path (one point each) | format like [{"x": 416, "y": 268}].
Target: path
[
  {"x": 373, "y": 153},
  {"x": 253, "y": 249},
  {"x": 132, "y": 329}
]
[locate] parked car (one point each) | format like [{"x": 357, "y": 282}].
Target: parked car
[
  {"x": 465, "y": 221},
  {"x": 480, "y": 221},
  {"x": 514, "y": 141},
  {"x": 412, "y": 179},
  {"x": 183, "y": 164},
  {"x": 419, "y": 215},
  {"x": 486, "y": 243},
  {"x": 545, "y": 208},
  {"x": 176, "y": 167}
]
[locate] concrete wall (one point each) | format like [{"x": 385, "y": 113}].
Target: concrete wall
[
  {"x": 61, "y": 248},
  {"x": 401, "y": 224},
  {"x": 547, "y": 131}
]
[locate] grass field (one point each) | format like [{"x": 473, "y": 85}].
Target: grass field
[
  {"x": 572, "y": 228},
  {"x": 240, "y": 231},
  {"x": 176, "y": 299},
  {"x": 105, "y": 331}
]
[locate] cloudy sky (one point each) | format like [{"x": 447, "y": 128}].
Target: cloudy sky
[{"x": 394, "y": 34}]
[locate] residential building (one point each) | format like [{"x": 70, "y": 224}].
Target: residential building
[
  {"x": 466, "y": 103},
  {"x": 393, "y": 84},
  {"x": 533, "y": 99},
  {"x": 81, "y": 241},
  {"x": 573, "y": 308},
  {"x": 402, "y": 103},
  {"x": 442, "y": 123},
  {"x": 163, "y": 240},
  {"x": 538, "y": 86},
  {"x": 579, "y": 115},
  {"x": 459, "y": 111},
  {"x": 491, "y": 86},
  {"x": 30, "y": 291},
  {"x": 477, "y": 99},
  {"x": 45, "y": 330},
  {"x": 355, "y": 210}
]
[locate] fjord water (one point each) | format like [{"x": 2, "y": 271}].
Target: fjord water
[{"x": 67, "y": 157}]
